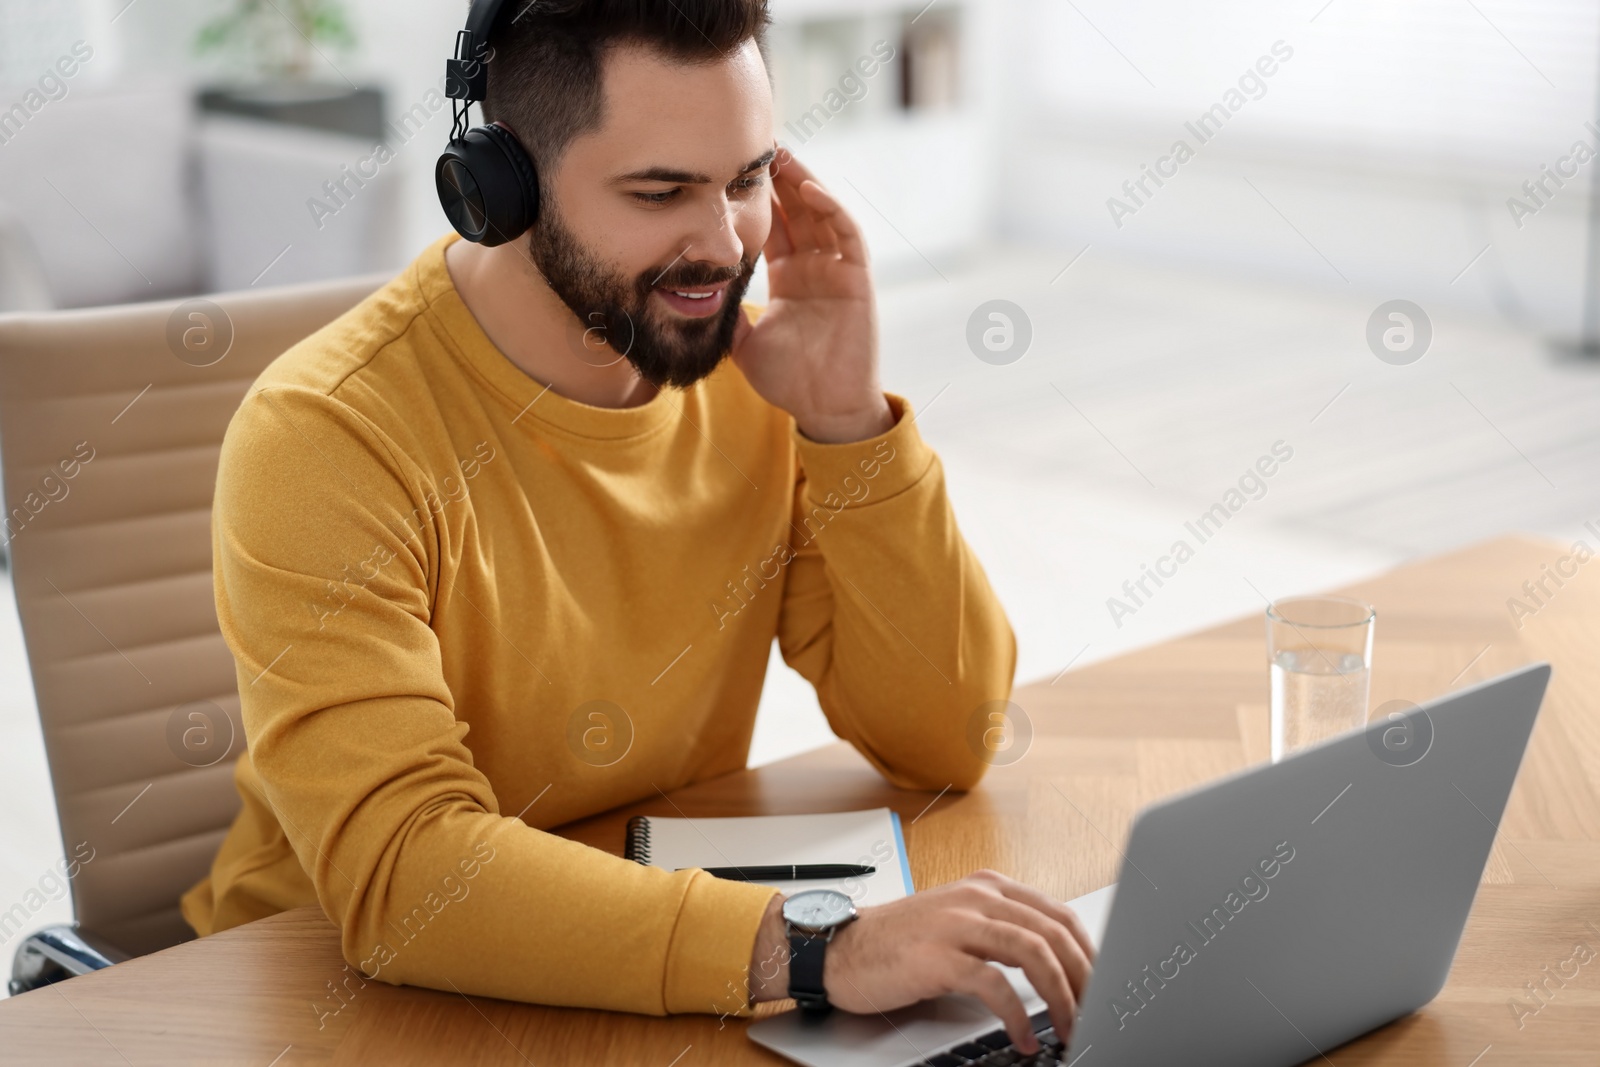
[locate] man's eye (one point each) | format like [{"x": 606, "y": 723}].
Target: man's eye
[
  {"x": 743, "y": 185},
  {"x": 656, "y": 198}
]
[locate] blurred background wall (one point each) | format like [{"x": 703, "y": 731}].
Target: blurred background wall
[
  {"x": 1196, "y": 216},
  {"x": 1393, "y": 134}
]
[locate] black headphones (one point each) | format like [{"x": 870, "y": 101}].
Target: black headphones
[{"x": 487, "y": 182}]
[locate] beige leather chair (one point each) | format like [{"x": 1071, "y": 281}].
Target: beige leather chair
[{"x": 111, "y": 421}]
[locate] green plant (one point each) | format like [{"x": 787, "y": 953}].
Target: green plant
[{"x": 280, "y": 38}]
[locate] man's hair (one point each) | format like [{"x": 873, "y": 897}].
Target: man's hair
[{"x": 544, "y": 70}]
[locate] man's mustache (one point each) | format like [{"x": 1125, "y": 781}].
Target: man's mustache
[{"x": 690, "y": 275}]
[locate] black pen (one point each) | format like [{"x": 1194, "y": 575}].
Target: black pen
[{"x": 787, "y": 871}]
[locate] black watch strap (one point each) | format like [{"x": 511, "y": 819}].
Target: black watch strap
[{"x": 805, "y": 970}]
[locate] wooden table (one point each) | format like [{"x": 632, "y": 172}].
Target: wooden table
[{"x": 1112, "y": 737}]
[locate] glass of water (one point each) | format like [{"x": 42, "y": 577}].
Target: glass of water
[{"x": 1320, "y": 649}]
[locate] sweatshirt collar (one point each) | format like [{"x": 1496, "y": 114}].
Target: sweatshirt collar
[{"x": 529, "y": 398}]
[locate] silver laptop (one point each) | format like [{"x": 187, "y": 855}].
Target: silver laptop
[{"x": 1264, "y": 919}]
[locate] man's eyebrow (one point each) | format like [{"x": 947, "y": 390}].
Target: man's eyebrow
[
  {"x": 763, "y": 160},
  {"x": 685, "y": 177}
]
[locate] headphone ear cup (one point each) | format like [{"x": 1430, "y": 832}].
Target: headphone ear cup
[{"x": 488, "y": 186}]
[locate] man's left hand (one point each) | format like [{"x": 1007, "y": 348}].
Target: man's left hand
[{"x": 814, "y": 351}]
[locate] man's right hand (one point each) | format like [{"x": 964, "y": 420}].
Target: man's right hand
[{"x": 941, "y": 941}]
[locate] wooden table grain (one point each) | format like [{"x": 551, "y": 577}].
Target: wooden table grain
[{"x": 1107, "y": 739}]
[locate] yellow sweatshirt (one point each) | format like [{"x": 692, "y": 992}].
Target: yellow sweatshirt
[{"x": 464, "y": 608}]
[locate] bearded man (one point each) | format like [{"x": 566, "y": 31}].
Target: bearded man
[{"x": 508, "y": 545}]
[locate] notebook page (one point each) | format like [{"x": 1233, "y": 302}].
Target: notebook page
[{"x": 866, "y": 837}]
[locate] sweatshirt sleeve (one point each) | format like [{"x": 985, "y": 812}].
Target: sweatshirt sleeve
[
  {"x": 324, "y": 581},
  {"x": 888, "y": 613}
]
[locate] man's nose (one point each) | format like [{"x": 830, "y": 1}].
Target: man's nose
[{"x": 716, "y": 240}]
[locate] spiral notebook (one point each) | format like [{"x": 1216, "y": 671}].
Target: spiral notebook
[{"x": 871, "y": 838}]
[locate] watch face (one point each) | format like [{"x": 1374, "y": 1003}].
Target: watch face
[{"x": 819, "y": 909}]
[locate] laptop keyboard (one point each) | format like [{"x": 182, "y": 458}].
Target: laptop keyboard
[{"x": 995, "y": 1049}]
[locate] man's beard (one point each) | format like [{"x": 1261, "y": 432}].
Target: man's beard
[{"x": 616, "y": 310}]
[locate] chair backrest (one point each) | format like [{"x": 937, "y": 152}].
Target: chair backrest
[{"x": 111, "y": 422}]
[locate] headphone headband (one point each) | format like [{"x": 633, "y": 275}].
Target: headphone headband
[
  {"x": 466, "y": 77},
  {"x": 480, "y": 19}
]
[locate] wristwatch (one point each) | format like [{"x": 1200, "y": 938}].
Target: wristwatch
[{"x": 811, "y": 919}]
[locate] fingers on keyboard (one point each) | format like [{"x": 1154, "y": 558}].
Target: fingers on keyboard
[{"x": 995, "y": 1049}]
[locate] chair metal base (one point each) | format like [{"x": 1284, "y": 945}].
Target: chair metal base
[{"x": 55, "y": 954}]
